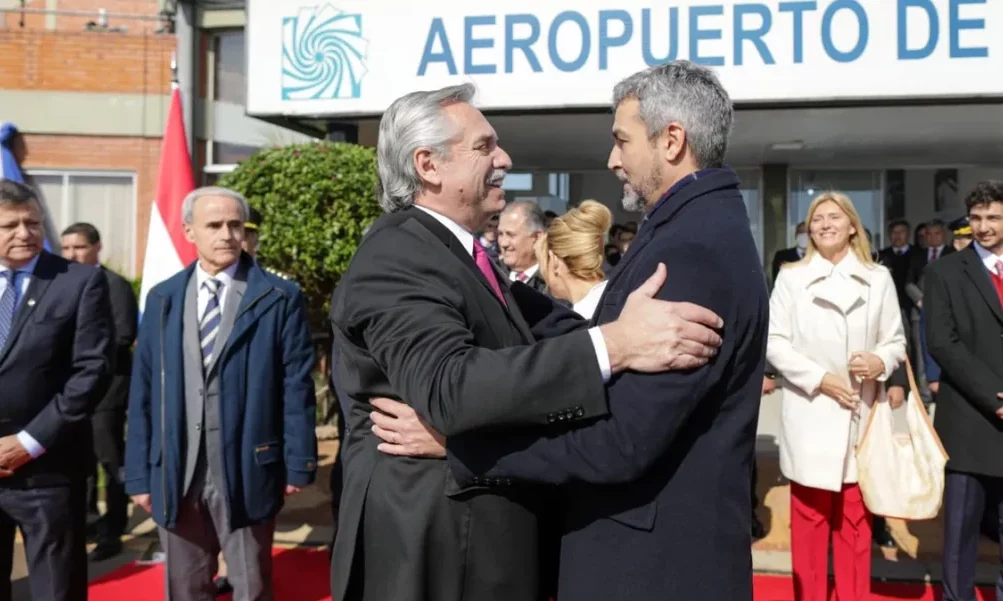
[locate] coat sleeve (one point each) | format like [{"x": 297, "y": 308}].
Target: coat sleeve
[
  {"x": 139, "y": 427},
  {"x": 299, "y": 401},
  {"x": 968, "y": 372},
  {"x": 648, "y": 411},
  {"x": 789, "y": 362},
  {"x": 92, "y": 357},
  {"x": 890, "y": 345},
  {"x": 410, "y": 315},
  {"x": 545, "y": 316}
]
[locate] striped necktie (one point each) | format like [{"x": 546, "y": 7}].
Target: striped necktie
[
  {"x": 8, "y": 301},
  {"x": 209, "y": 326}
]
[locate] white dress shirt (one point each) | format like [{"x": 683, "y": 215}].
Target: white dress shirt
[
  {"x": 513, "y": 275},
  {"x": 988, "y": 258},
  {"x": 225, "y": 278},
  {"x": 27, "y": 440},
  {"x": 467, "y": 240},
  {"x": 590, "y": 302}
]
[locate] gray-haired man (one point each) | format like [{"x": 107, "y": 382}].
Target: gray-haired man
[
  {"x": 425, "y": 316},
  {"x": 221, "y": 408},
  {"x": 521, "y": 224}
]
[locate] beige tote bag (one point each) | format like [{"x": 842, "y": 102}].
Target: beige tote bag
[{"x": 901, "y": 473}]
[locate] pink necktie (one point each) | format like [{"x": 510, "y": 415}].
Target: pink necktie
[
  {"x": 484, "y": 264},
  {"x": 522, "y": 276}
]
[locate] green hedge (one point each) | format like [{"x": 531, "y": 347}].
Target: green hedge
[{"x": 316, "y": 200}]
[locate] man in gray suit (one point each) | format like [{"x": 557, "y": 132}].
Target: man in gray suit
[{"x": 212, "y": 454}]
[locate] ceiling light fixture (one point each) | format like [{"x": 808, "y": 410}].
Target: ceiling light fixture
[{"x": 793, "y": 145}]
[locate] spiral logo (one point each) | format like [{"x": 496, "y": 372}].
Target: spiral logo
[{"x": 323, "y": 54}]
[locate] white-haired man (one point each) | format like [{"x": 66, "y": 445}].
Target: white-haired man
[
  {"x": 221, "y": 408},
  {"x": 656, "y": 494},
  {"x": 423, "y": 315}
]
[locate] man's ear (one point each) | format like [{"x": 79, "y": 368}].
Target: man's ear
[
  {"x": 427, "y": 167},
  {"x": 672, "y": 142}
]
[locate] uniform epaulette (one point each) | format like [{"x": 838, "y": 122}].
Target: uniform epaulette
[{"x": 281, "y": 274}]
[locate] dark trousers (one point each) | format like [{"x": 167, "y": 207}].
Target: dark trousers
[
  {"x": 109, "y": 450},
  {"x": 965, "y": 497},
  {"x": 53, "y": 523}
]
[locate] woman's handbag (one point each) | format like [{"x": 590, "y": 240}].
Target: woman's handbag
[{"x": 901, "y": 474}]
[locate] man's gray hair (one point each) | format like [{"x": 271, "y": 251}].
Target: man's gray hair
[
  {"x": 16, "y": 193},
  {"x": 532, "y": 212},
  {"x": 188, "y": 204},
  {"x": 414, "y": 121},
  {"x": 686, "y": 93}
]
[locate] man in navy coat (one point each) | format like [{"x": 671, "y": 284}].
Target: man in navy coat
[
  {"x": 221, "y": 408},
  {"x": 657, "y": 493}
]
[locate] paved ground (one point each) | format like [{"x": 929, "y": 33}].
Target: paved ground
[{"x": 306, "y": 520}]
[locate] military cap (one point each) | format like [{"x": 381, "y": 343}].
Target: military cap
[
  {"x": 254, "y": 220},
  {"x": 960, "y": 227}
]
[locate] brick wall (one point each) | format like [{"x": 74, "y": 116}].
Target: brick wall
[
  {"x": 145, "y": 8},
  {"x": 86, "y": 61},
  {"x": 67, "y": 58}
]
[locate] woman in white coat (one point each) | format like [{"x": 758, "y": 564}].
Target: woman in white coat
[{"x": 835, "y": 337}]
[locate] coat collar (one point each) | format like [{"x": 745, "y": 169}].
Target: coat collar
[
  {"x": 258, "y": 282},
  {"x": 834, "y": 290},
  {"x": 819, "y": 267},
  {"x": 675, "y": 200}
]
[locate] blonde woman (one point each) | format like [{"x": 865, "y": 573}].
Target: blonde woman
[
  {"x": 835, "y": 337},
  {"x": 570, "y": 254}
]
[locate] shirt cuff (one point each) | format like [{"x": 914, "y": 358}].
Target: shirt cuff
[
  {"x": 602, "y": 353},
  {"x": 30, "y": 444}
]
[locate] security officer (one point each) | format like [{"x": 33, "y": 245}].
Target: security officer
[
  {"x": 962, "y": 232},
  {"x": 252, "y": 234}
]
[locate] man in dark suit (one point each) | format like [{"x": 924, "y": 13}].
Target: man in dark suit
[
  {"x": 963, "y": 300},
  {"x": 657, "y": 493},
  {"x": 898, "y": 257},
  {"x": 793, "y": 254},
  {"x": 56, "y": 356},
  {"x": 423, "y": 315},
  {"x": 81, "y": 242},
  {"x": 221, "y": 408},
  {"x": 521, "y": 224}
]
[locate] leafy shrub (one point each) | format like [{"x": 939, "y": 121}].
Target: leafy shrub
[{"x": 316, "y": 200}]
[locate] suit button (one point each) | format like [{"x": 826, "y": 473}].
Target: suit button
[
  {"x": 198, "y": 427},
  {"x": 579, "y": 412},
  {"x": 309, "y": 465}
]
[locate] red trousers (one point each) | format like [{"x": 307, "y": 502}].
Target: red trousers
[{"x": 814, "y": 514}]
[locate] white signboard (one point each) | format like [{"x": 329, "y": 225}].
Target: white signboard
[{"x": 354, "y": 57}]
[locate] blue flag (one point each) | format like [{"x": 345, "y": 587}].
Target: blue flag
[{"x": 9, "y": 167}]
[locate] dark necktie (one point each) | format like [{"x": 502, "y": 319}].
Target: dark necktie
[
  {"x": 484, "y": 264},
  {"x": 933, "y": 254},
  {"x": 209, "y": 327},
  {"x": 8, "y": 302}
]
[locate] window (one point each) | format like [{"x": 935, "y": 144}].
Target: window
[
  {"x": 105, "y": 200},
  {"x": 750, "y": 185},
  {"x": 519, "y": 182},
  {"x": 229, "y": 68}
]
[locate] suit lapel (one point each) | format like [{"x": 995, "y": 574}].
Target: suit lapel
[
  {"x": 40, "y": 279},
  {"x": 431, "y": 230},
  {"x": 978, "y": 273}
]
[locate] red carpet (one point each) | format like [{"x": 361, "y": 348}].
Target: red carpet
[{"x": 302, "y": 575}]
